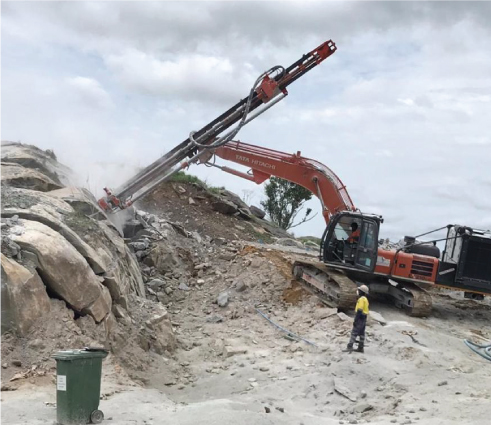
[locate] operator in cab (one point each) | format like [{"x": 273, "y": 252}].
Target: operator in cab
[
  {"x": 355, "y": 233},
  {"x": 360, "y": 321}
]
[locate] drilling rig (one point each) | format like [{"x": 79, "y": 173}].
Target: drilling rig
[{"x": 345, "y": 261}]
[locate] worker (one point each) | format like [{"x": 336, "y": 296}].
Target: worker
[
  {"x": 355, "y": 233},
  {"x": 360, "y": 321}
]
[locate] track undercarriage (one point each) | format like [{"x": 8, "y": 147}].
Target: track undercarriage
[{"x": 335, "y": 288}]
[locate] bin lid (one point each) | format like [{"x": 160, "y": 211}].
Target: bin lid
[{"x": 85, "y": 353}]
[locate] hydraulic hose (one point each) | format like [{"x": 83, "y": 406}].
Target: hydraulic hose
[
  {"x": 483, "y": 350},
  {"x": 223, "y": 140},
  {"x": 282, "y": 329}
]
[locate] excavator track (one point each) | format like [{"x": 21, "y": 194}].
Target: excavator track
[
  {"x": 336, "y": 289},
  {"x": 421, "y": 303},
  {"x": 332, "y": 287}
]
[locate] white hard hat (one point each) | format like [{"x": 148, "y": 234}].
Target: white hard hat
[{"x": 363, "y": 288}]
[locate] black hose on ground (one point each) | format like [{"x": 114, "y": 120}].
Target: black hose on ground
[{"x": 483, "y": 350}]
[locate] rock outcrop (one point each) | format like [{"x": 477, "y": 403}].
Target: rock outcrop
[
  {"x": 64, "y": 271},
  {"x": 33, "y": 158},
  {"x": 258, "y": 212},
  {"x": 225, "y": 207},
  {"x": 81, "y": 201},
  {"x": 17, "y": 176},
  {"x": 24, "y": 298},
  {"x": 60, "y": 242}
]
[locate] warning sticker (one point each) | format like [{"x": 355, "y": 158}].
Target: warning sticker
[
  {"x": 382, "y": 261},
  {"x": 61, "y": 382}
]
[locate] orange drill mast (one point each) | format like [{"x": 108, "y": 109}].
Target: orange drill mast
[{"x": 269, "y": 89}]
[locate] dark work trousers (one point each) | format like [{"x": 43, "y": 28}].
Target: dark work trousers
[{"x": 358, "y": 329}]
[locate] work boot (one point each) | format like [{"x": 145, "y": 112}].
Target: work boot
[
  {"x": 360, "y": 348},
  {"x": 348, "y": 349}
]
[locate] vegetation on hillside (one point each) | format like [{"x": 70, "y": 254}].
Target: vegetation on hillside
[{"x": 284, "y": 201}]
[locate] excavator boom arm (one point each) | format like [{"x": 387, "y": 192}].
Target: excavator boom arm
[{"x": 310, "y": 174}]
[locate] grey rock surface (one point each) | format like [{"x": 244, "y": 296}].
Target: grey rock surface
[
  {"x": 24, "y": 298},
  {"x": 59, "y": 259},
  {"x": 224, "y": 207},
  {"x": 17, "y": 176},
  {"x": 223, "y": 299},
  {"x": 258, "y": 212}
]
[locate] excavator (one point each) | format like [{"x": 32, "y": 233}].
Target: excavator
[
  {"x": 350, "y": 254},
  {"x": 346, "y": 262}
]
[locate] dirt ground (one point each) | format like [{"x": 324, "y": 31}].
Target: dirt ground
[{"x": 235, "y": 366}]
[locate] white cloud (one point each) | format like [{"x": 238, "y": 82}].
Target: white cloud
[
  {"x": 385, "y": 153},
  {"x": 408, "y": 102},
  {"x": 187, "y": 77},
  {"x": 398, "y": 110},
  {"x": 89, "y": 92}
]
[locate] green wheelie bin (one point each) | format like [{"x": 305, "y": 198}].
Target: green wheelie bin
[{"x": 78, "y": 386}]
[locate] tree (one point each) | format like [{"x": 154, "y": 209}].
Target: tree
[{"x": 284, "y": 200}]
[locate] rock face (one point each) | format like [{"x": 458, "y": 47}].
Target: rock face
[
  {"x": 225, "y": 207},
  {"x": 65, "y": 272},
  {"x": 60, "y": 241},
  {"x": 258, "y": 212},
  {"x": 96, "y": 240},
  {"x": 290, "y": 242},
  {"x": 35, "y": 206},
  {"x": 24, "y": 298},
  {"x": 234, "y": 198},
  {"x": 18, "y": 176},
  {"x": 31, "y": 157},
  {"x": 81, "y": 201}
]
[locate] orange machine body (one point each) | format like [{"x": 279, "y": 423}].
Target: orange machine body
[
  {"x": 330, "y": 190},
  {"x": 406, "y": 266}
]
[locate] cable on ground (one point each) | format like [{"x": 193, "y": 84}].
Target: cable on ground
[
  {"x": 483, "y": 350},
  {"x": 290, "y": 334}
]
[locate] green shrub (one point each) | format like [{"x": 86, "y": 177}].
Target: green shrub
[
  {"x": 216, "y": 190},
  {"x": 182, "y": 177}
]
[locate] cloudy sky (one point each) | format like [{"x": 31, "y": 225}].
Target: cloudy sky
[{"x": 401, "y": 112}]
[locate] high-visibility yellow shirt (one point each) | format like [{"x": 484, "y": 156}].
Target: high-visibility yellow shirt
[{"x": 362, "y": 304}]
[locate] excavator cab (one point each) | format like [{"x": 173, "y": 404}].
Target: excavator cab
[{"x": 351, "y": 240}]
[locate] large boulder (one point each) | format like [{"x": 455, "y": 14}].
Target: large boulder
[
  {"x": 17, "y": 176},
  {"x": 98, "y": 241},
  {"x": 234, "y": 198},
  {"x": 101, "y": 307},
  {"x": 166, "y": 258},
  {"x": 245, "y": 214},
  {"x": 24, "y": 297},
  {"x": 123, "y": 273},
  {"x": 158, "y": 326},
  {"x": 258, "y": 212},
  {"x": 36, "y": 206},
  {"x": 270, "y": 227},
  {"x": 224, "y": 207},
  {"x": 81, "y": 200},
  {"x": 63, "y": 269}
]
